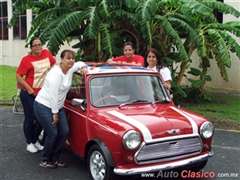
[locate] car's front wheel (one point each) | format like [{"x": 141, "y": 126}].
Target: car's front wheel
[
  {"x": 98, "y": 166},
  {"x": 199, "y": 166}
]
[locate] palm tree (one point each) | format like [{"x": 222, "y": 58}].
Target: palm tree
[
  {"x": 165, "y": 21},
  {"x": 93, "y": 22}
]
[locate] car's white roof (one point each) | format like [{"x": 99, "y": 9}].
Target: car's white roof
[{"x": 107, "y": 68}]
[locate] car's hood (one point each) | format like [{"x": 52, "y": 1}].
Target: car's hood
[{"x": 154, "y": 122}]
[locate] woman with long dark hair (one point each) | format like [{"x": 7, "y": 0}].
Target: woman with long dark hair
[{"x": 153, "y": 61}]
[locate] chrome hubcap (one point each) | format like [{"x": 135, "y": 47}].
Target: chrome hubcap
[{"x": 97, "y": 165}]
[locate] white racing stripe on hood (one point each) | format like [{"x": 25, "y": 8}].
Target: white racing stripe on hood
[
  {"x": 193, "y": 123},
  {"x": 145, "y": 131}
]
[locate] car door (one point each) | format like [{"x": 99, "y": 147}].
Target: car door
[{"x": 76, "y": 115}]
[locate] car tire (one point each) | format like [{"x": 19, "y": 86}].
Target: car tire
[
  {"x": 42, "y": 137},
  {"x": 199, "y": 166},
  {"x": 97, "y": 165}
]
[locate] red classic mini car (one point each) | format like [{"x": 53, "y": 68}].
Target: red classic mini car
[{"x": 123, "y": 122}]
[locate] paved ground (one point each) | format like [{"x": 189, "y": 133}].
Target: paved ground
[{"x": 17, "y": 164}]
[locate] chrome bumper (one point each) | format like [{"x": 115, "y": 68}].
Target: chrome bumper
[{"x": 167, "y": 166}]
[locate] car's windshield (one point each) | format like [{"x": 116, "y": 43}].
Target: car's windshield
[{"x": 124, "y": 89}]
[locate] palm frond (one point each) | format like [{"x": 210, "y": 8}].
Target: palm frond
[
  {"x": 187, "y": 7},
  {"x": 57, "y": 30},
  {"x": 220, "y": 46},
  {"x": 188, "y": 29},
  {"x": 174, "y": 36},
  {"x": 22, "y": 5},
  {"x": 146, "y": 29},
  {"x": 14, "y": 18},
  {"x": 196, "y": 11},
  {"x": 124, "y": 14},
  {"x": 231, "y": 42},
  {"x": 106, "y": 40},
  {"x": 194, "y": 71},
  {"x": 19, "y": 8},
  {"x": 41, "y": 6},
  {"x": 131, "y": 4},
  {"x": 180, "y": 17},
  {"x": 196, "y": 83},
  {"x": 225, "y": 27},
  {"x": 222, "y": 7},
  {"x": 220, "y": 51},
  {"x": 50, "y": 14},
  {"x": 82, "y": 4},
  {"x": 145, "y": 13},
  {"x": 94, "y": 21},
  {"x": 236, "y": 24},
  {"x": 202, "y": 50},
  {"x": 103, "y": 9},
  {"x": 115, "y": 4},
  {"x": 146, "y": 10},
  {"x": 35, "y": 32},
  {"x": 197, "y": 7}
]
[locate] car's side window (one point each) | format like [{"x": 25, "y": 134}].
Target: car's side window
[
  {"x": 150, "y": 88},
  {"x": 158, "y": 92},
  {"x": 96, "y": 85},
  {"x": 77, "y": 89}
]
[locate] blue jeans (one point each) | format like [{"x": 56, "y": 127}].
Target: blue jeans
[
  {"x": 55, "y": 135},
  {"x": 31, "y": 127}
]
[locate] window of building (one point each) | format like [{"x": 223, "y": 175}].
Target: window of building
[
  {"x": 20, "y": 28},
  {"x": 3, "y": 21}
]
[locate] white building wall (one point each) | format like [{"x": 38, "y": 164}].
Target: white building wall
[
  {"x": 218, "y": 84},
  {"x": 13, "y": 51},
  {"x": 233, "y": 86}
]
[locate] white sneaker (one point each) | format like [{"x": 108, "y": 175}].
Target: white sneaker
[
  {"x": 38, "y": 146},
  {"x": 31, "y": 148}
]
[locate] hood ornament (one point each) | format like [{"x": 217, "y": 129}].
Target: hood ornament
[{"x": 173, "y": 131}]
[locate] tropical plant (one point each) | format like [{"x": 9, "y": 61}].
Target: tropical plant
[
  {"x": 96, "y": 23},
  {"x": 102, "y": 26},
  {"x": 203, "y": 33}
]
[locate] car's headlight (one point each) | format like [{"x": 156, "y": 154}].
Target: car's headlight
[
  {"x": 206, "y": 130},
  {"x": 131, "y": 140}
]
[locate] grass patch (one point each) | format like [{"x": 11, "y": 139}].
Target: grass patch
[
  {"x": 222, "y": 106},
  {"x": 8, "y": 83},
  {"x": 223, "y": 110}
]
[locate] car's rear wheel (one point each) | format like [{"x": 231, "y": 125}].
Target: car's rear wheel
[
  {"x": 98, "y": 166},
  {"x": 42, "y": 137}
]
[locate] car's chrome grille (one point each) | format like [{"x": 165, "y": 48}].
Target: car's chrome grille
[{"x": 169, "y": 150}]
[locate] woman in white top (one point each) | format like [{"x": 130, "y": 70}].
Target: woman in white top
[
  {"x": 48, "y": 107},
  {"x": 153, "y": 61}
]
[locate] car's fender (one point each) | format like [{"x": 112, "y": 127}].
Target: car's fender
[{"x": 105, "y": 151}]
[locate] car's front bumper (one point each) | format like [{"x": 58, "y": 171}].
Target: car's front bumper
[{"x": 155, "y": 168}]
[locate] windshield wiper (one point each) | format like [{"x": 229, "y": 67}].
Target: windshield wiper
[
  {"x": 161, "y": 101},
  {"x": 131, "y": 102}
]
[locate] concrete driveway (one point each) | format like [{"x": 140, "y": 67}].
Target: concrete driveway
[{"x": 18, "y": 164}]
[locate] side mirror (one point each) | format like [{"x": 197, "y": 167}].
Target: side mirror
[{"x": 79, "y": 102}]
